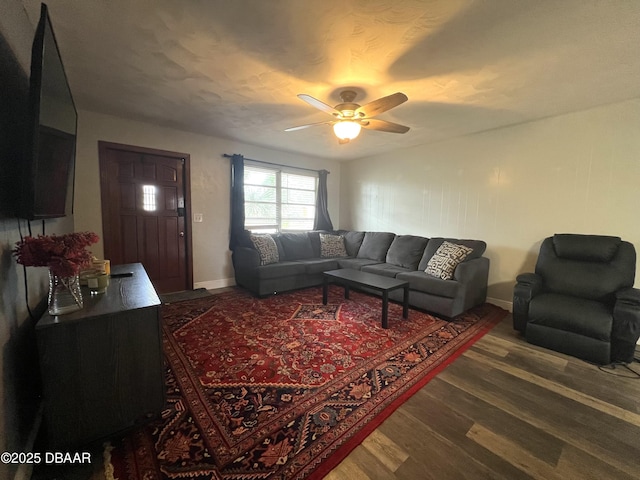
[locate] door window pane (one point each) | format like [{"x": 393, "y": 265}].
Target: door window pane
[{"x": 149, "y": 198}]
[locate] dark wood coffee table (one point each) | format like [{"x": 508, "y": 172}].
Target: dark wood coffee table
[{"x": 355, "y": 278}]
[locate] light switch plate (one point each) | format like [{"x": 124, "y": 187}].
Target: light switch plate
[{"x": 197, "y": 218}]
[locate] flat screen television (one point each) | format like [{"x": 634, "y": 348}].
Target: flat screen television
[
  {"x": 14, "y": 97},
  {"x": 49, "y": 164}
]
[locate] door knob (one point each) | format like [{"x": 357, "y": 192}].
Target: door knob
[{"x": 181, "y": 234}]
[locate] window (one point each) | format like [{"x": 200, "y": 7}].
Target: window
[
  {"x": 148, "y": 198},
  {"x": 277, "y": 201}
]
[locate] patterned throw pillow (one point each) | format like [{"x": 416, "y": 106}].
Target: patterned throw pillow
[
  {"x": 332, "y": 246},
  {"x": 446, "y": 259},
  {"x": 266, "y": 247}
]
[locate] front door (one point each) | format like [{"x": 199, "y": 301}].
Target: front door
[{"x": 145, "y": 212}]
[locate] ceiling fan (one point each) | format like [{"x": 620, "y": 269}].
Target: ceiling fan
[{"x": 349, "y": 117}]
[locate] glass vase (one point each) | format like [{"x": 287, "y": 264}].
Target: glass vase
[{"x": 64, "y": 294}]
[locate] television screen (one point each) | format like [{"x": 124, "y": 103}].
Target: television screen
[{"x": 49, "y": 165}]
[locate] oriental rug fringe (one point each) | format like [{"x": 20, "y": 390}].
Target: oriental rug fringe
[{"x": 284, "y": 387}]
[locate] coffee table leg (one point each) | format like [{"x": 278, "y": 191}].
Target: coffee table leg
[
  {"x": 405, "y": 303},
  {"x": 346, "y": 292},
  {"x": 325, "y": 290},
  {"x": 385, "y": 309}
]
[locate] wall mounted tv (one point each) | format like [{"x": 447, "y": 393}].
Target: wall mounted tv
[
  {"x": 49, "y": 166},
  {"x": 14, "y": 97}
]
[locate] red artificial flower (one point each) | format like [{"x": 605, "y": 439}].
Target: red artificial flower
[{"x": 64, "y": 254}]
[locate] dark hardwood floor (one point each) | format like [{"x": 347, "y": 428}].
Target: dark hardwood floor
[{"x": 508, "y": 410}]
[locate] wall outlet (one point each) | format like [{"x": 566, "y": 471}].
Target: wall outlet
[{"x": 197, "y": 218}]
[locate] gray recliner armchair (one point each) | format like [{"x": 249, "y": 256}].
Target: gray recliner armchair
[{"x": 580, "y": 300}]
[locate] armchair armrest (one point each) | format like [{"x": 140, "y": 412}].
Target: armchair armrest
[
  {"x": 626, "y": 325},
  {"x": 528, "y": 286},
  {"x": 530, "y": 281},
  {"x": 628, "y": 296}
]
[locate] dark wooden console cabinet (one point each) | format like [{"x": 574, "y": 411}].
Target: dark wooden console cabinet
[{"x": 102, "y": 366}]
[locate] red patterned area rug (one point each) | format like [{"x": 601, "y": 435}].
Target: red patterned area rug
[{"x": 284, "y": 387}]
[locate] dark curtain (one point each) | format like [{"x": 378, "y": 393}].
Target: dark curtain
[
  {"x": 237, "y": 233},
  {"x": 322, "y": 221}
]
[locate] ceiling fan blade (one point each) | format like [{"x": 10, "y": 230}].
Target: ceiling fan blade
[
  {"x": 381, "y": 105},
  {"x": 384, "y": 126},
  {"x": 300, "y": 127},
  {"x": 314, "y": 102}
]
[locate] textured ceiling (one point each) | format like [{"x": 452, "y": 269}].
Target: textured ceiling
[{"x": 233, "y": 69}]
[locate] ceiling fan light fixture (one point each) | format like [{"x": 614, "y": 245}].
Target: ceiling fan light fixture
[
  {"x": 346, "y": 129},
  {"x": 349, "y": 117}
]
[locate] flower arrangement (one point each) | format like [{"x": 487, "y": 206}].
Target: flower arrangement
[{"x": 64, "y": 254}]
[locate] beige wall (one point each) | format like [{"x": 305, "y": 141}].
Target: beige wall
[
  {"x": 512, "y": 187},
  {"x": 210, "y": 183}
]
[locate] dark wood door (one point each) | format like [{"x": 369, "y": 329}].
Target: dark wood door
[{"x": 145, "y": 212}]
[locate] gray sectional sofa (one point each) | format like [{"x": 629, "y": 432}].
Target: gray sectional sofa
[{"x": 300, "y": 264}]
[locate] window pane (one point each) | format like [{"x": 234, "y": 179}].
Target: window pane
[
  {"x": 258, "y": 176},
  {"x": 149, "y": 197},
  {"x": 251, "y": 223},
  {"x": 252, "y": 209},
  {"x": 259, "y": 194},
  {"x": 303, "y": 182},
  {"x": 260, "y": 213},
  {"x": 299, "y": 196},
  {"x": 297, "y": 224},
  {"x": 298, "y": 211}
]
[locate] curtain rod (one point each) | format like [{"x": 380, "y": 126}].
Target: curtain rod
[{"x": 277, "y": 164}]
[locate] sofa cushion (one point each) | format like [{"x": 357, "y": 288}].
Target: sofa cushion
[
  {"x": 297, "y": 246},
  {"x": 280, "y": 269},
  {"x": 406, "y": 251},
  {"x": 355, "y": 263},
  {"x": 276, "y": 238},
  {"x": 332, "y": 246},
  {"x": 385, "y": 269},
  {"x": 478, "y": 247},
  {"x": 446, "y": 259},
  {"x": 314, "y": 236},
  {"x": 352, "y": 241},
  {"x": 426, "y": 283},
  {"x": 266, "y": 247},
  {"x": 314, "y": 266},
  {"x": 375, "y": 245}
]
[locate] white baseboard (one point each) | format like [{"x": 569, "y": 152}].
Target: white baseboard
[
  {"x": 501, "y": 303},
  {"x": 213, "y": 284}
]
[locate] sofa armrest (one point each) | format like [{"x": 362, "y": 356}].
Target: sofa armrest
[
  {"x": 245, "y": 258},
  {"x": 626, "y": 325},
  {"x": 469, "y": 271},
  {"x": 474, "y": 275},
  {"x": 528, "y": 285}
]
